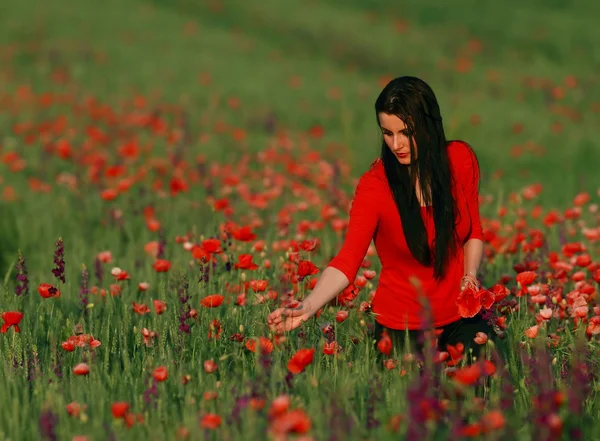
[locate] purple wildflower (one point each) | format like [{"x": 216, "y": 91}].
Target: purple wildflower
[
  {"x": 488, "y": 315},
  {"x": 17, "y": 363},
  {"x": 329, "y": 332},
  {"x": 83, "y": 291},
  {"x": 162, "y": 242},
  {"x": 151, "y": 394},
  {"x": 543, "y": 386},
  {"x": 48, "y": 421},
  {"x": 57, "y": 364},
  {"x": 59, "y": 261},
  {"x": 110, "y": 434},
  {"x": 562, "y": 235},
  {"x": 241, "y": 403},
  {"x": 421, "y": 395},
  {"x": 265, "y": 361},
  {"x": 185, "y": 309},
  {"x": 302, "y": 337},
  {"x": 260, "y": 385},
  {"x": 581, "y": 380},
  {"x": 204, "y": 273},
  {"x": 340, "y": 423},
  {"x": 506, "y": 401},
  {"x": 33, "y": 362},
  {"x": 22, "y": 279},
  {"x": 419, "y": 402},
  {"x": 99, "y": 271},
  {"x": 374, "y": 397},
  {"x": 288, "y": 380}
]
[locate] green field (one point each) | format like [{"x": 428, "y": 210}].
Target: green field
[{"x": 224, "y": 83}]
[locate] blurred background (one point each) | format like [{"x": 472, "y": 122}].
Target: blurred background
[{"x": 519, "y": 81}]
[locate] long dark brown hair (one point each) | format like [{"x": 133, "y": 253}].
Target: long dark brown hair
[{"x": 413, "y": 101}]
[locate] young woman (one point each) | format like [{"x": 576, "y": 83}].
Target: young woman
[{"x": 419, "y": 203}]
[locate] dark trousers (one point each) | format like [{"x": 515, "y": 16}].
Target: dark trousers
[{"x": 461, "y": 331}]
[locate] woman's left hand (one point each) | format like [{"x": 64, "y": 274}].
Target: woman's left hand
[{"x": 469, "y": 281}]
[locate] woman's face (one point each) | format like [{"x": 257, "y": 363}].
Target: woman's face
[{"x": 397, "y": 137}]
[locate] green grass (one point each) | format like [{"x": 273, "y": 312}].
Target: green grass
[{"x": 162, "y": 50}]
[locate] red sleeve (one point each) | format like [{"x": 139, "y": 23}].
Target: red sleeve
[
  {"x": 364, "y": 215},
  {"x": 469, "y": 177}
]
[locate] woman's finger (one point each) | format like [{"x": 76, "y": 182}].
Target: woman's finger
[
  {"x": 277, "y": 319},
  {"x": 294, "y": 312},
  {"x": 276, "y": 314}
]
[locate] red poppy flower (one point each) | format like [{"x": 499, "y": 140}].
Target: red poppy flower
[
  {"x": 210, "y": 421},
  {"x": 309, "y": 245},
  {"x": 301, "y": 359},
  {"x": 160, "y": 306},
  {"x": 500, "y": 292},
  {"x": 468, "y": 303},
  {"x": 341, "y": 316},
  {"x": 210, "y": 366},
  {"x": 259, "y": 285},
  {"x": 596, "y": 276},
  {"x": 161, "y": 266},
  {"x": 245, "y": 262},
  {"x": 244, "y": 234},
  {"x": 306, "y": 268},
  {"x": 68, "y": 346},
  {"x": 11, "y": 318},
  {"x": 46, "y": 291},
  {"x": 279, "y": 406},
  {"x": 212, "y": 301},
  {"x": 385, "y": 343},
  {"x": 493, "y": 420},
  {"x": 456, "y": 353},
  {"x": 294, "y": 421},
  {"x": 264, "y": 343},
  {"x": 330, "y": 348},
  {"x": 81, "y": 369},
  {"x": 119, "y": 409},
  {"x": 526, "y": 278},
  {"x": 347, "y": 295},
  {"x": 140, "y": 309},
  {"x": 471, "y": 430},
  {"x": 486, "y": 298},
  {"x": 199, "y": 253},
  {"x": 212, "y": 246},
  {"x": 533, "y": 331},
  {"x": 74, "y": 409},
  {"x": 468, "y": 375},
  {"x": 160, "y": 373}
]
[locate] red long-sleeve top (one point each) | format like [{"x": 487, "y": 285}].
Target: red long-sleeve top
[{"x": 374, "y": 216}]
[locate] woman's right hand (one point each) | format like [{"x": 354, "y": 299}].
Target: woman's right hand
[
  {"x": 331, "y": 283},
  {"x": 285, "y": 319}
]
